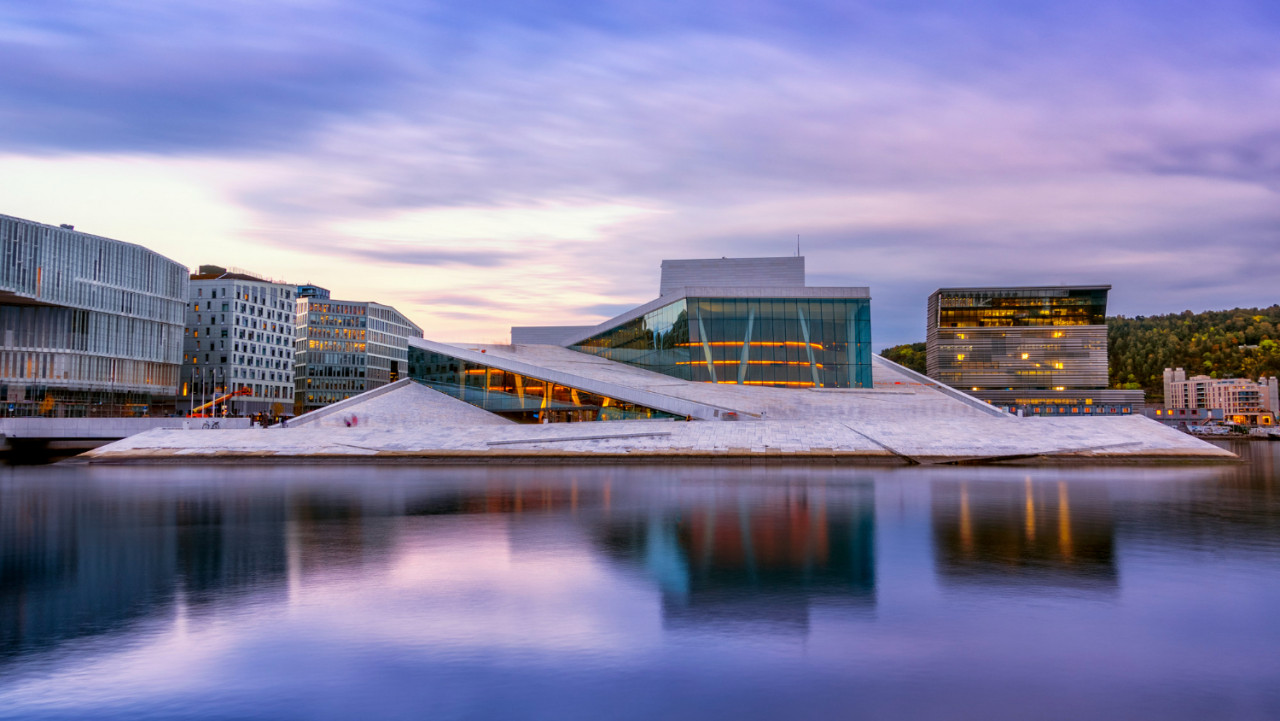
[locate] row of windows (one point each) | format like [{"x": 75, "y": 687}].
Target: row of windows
[
  {"x": 75, "y": 369},
  {"x": 86, "y": 271}
]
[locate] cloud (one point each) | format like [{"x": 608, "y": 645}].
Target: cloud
[
  {"x": 547, "y": 159},
  {"x": 400, "y": 255}
]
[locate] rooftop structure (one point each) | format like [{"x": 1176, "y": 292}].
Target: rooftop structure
[
  {"x": 1038, "y": 350},
  {"x": 743, "y": 321},
  {"x": 90, "y": 326}
]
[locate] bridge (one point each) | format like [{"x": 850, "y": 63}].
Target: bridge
[{"x": 42, "y": 439}]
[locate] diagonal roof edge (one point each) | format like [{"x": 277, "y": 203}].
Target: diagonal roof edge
[
  {"x": 860, "y": 292},
  {"x": 649, "y": 399}
]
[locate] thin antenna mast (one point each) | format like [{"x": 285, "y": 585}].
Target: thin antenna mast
[{"x": 797, "y": 245}]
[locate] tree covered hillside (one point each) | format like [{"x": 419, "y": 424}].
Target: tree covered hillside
[
  {"x": 910, "y": 355},
  {"x": 1240, "y": 343}
]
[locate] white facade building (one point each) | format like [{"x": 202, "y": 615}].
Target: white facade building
[
  {"x": 240, "y": 334},
  {"x": 1241, "y": 400}
]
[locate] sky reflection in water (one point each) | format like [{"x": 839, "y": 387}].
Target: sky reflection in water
[{"x": 626, "y": 592}]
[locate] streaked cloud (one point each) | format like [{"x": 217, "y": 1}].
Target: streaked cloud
[{"x": 546, "y": 158}]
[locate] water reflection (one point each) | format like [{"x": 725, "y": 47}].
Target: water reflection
[
  {"x": 754, "y": 556},
  {"x": 670, "y": 592},
  {"x": 1035, "y": 535}
]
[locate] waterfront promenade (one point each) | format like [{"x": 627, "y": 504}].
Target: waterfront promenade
[{"x": 900, "y": 421}]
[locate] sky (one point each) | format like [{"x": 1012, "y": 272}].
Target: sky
[{"x": 480, "y": 165}]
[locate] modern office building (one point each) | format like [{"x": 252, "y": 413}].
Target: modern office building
[
  {"x": 347, "y": 347},
  {"x": 1239, "y": 400},
  {"x": 726, "y": 321},
  {"x": 313, "y": 291},
  {"x": 240, "y": 335},
  {"x": 90, "y": 326},
  {"x": 1038, "y": 350}
]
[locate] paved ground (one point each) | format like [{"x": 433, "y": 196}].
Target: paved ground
[
  {"x": 904, "y": 417},
  {"x": 403, "y": 403}
]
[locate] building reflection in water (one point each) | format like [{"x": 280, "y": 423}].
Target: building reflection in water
[
  {"x": 82, "y": 560},
  {"x": 1026, "y": 534},
  {"x": 81, "y": 557},
  {"x": 755, "y": 556}
]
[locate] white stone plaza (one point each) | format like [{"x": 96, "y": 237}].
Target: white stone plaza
[{"x": 904, "y": 418}]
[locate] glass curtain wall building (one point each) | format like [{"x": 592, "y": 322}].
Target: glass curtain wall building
[
  {"x": 1039, "y": 350},
  {"x": 787, "y": 342},
  {"x": 519, "y": 397},
  {"x": 239, "y": 335},
  {"x": 345, "y": 348},
  {"x": 90, "y": 326}
]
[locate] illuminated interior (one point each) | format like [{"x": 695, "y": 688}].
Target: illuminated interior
[
  {"x": 521, "y": 398},
  {"x": 783, "y": 342}
]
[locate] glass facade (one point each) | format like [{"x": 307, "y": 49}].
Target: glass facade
[
  {"x": 1020, "y": 307},
  {"x": 1038, "y": 351},
  {"x": 519, "y": 397},
  {"x": 345, "y": 348},
  {"x": 785, "y": 342},
  {"x": 89, "y": 326}
]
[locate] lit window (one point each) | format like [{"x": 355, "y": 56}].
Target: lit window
[{"x": 1025, "y": 356}]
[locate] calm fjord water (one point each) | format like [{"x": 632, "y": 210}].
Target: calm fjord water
[{"x": 337, "y": 592}]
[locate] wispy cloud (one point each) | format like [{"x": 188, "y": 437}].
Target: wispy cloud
[{"x": 552, "y": 156}]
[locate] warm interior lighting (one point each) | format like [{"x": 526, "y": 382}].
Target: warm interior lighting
[
  {"x": 767, "y": 383},
  {"x": 749, "y": 362},
  {"x": 960, "y": 356},
  {"x": 738, "y": 344},
  {"x": 1025, "y": 356}
]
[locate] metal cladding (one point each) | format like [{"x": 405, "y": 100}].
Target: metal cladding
[
  {"x": 782, "y": 272},
  {"x": 90, "y": 325},
  {"x": 1024, "y": 346}
]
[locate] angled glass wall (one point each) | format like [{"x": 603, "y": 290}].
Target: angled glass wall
[
  {"x": 519, "y": 397},
  {"x": 785, "y": 342}
]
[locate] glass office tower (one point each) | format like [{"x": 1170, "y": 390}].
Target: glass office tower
[
  {"x": 347, "y": 347},
  {"x": 89, "y": 326},
  {"x": 785, "y": 342},
  {"x": 1039, "y": 350}
]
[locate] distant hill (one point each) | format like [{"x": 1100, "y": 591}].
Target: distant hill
[
  {"x": 910, "y": 355},
  {"x": 1238, "y": 343}
]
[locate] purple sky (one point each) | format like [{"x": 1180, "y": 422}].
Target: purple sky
[{"x": 482, "y": 165}]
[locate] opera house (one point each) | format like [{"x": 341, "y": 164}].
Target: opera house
[{"x": 743, "y": 340}]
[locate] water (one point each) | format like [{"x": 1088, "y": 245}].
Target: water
[{"x": 336, "y": 592}]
